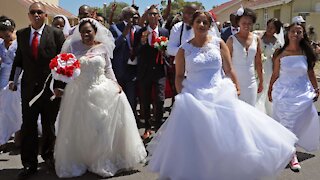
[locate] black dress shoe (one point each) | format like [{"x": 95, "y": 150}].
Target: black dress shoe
[
  {"x": 49, "y": 163},
  {"x": 26, "y": 173}
]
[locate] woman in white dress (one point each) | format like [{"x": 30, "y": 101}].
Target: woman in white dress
[
  {"x": 209, "y": 129},
  {"x": 293, "y": 89},
  {"x": 269, "y": 43},
  {"x": 10, "y": 107},
  {"x": 246, "y": 56},
  {"x": 97, "y": 128}
]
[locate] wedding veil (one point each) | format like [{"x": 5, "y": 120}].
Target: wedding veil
[
  {"x": 280, "y": 37},
  {"x": 103, "y": 35},
  {"x": 67, "y": 25}
]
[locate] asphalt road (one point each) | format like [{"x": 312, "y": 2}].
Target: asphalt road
[{"x": 10, "y": 166}]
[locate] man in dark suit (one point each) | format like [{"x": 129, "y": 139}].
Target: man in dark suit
[
  {"x": 231, "y": 30},
  {"x": 37, "y": 45},
  {"x": 124, "y": 62},
  {"x": 151, "y": 69}
]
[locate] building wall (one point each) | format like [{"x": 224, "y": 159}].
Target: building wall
[{"x": 19, "y": 15}]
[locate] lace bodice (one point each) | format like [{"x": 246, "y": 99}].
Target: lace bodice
[
  {"x": 267, "y": 49},
  {"x": 95, "y": 61},
  {"x": 203, "y": 64}
]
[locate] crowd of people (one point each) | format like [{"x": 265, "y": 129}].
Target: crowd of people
[{"x": 239, "y": 99}]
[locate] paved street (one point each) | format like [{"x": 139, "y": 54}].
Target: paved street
[{"x": 10, "y": 166}]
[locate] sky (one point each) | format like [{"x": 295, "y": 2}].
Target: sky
[{"x": 73, "y": 5}]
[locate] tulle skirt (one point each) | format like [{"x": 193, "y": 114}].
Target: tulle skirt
[
  {"x": 10, "y": 113},
  {"x": 97, "y": 131},
  {"x": 211, "y": 135}
]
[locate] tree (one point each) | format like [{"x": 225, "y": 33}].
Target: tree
[
  {"x": 177, "y": 5},
  {"x": 117, "y": 12}
]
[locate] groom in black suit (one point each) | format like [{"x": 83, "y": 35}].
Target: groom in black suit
[
  {"x": 151, "y": 69},
  {"x": 37, "y": 45}
]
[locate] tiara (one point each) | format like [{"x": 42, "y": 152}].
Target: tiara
[{"x": 6, "y": 23}]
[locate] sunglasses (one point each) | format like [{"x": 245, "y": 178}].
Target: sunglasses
[
  {"x": 153, "y": 13},
  {"x": 33, "y": 12}
]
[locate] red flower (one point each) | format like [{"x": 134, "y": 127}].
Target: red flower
[
  {"x": 61, "y": 71},
  {"x": 64, "y": 57},
  {"x": 76, "y": 64},
  {"x": 163, "y": 38},
  {"x": 53, "y": 63},
  {"x": 69, "y": 71}
]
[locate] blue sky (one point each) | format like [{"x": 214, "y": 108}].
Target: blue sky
[{"x": 73, "y": 5}]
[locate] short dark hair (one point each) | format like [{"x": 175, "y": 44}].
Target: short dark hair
[
  {"x": 247, "y": 12},
  {"x": 198, "y": 13},
  {"x": 7, "y": 25},
  {"x": 83, "y": 22},
  {"x": 101, "y": 15},
  {"x": 277, "y": 23}
]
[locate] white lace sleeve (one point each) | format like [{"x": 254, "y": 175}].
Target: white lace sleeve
[{"x": 108, "y": 69}]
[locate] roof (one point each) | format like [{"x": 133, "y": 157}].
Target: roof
[
  {"x": 224, "y": 6},
  {"x": 51, "y": 8}
]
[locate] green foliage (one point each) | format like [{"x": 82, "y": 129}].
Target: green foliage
[
  {"x": 117, "y": 12},
  {"x": 177, "y": 5}
]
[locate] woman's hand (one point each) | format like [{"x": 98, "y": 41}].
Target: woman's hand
[
  {"x": 270, "y": 95},
  {"x": 317, "y": 91},
  {"x": 144, "y": 37},
  {"x": 58, "y": 92},
  {"x": 238, "y": 92},
  {"x": 120, "y": 88},
  {"x": 260, "y": 87}
]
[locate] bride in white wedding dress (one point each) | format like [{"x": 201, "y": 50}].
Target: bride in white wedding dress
[
  {"x": 97, "y": 128},
  {"x": 210, "y": 133}
]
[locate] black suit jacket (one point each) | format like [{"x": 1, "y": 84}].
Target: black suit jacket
[
  {"x": 147, "y": 55},
  {"x": 121, "y": 54},
  {"x": 226, "y": 33},
  {"x": 35, "y": 72}
]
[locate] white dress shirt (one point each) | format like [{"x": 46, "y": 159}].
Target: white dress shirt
[
  {"x": 130, "y": 61},
  {"x": 234, "y": 30},
  {"x": 150, "y": 34},
  {"x": 40, "y": 30},
  {"x": 174, "y": 39}
]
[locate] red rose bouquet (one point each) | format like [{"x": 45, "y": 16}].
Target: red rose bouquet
[
  {"x": 65, "y": 67},
  {"x": 161, "y": 43}
]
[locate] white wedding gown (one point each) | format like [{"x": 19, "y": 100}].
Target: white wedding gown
[
  {"x": 293, "y": 106},
  {"x": 97, "y": 128},
  {"x": 211, "y": 134},
  {"x": 267, "y": 50},
  {"x": 244, "y": 66}
]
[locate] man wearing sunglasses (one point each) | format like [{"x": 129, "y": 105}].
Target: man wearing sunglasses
[
  {"x": 37, "y": 45},
  {"x": 151, "y": 69}
]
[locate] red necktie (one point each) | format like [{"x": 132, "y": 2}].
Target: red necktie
[
  {"x": 131, "y": 37},
  {"x": 153, "y": 39},
  {"x": 34, "y": 45}
]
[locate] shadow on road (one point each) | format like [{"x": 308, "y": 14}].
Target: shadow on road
[{"x": 44, "y": 173}]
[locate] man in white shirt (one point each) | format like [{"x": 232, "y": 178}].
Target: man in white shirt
[{"x": 182, "y": 31}]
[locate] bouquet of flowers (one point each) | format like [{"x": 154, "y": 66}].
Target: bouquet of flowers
[
  {"x": 161, "y": 43},
  {"x": 65, "y": 67}
]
